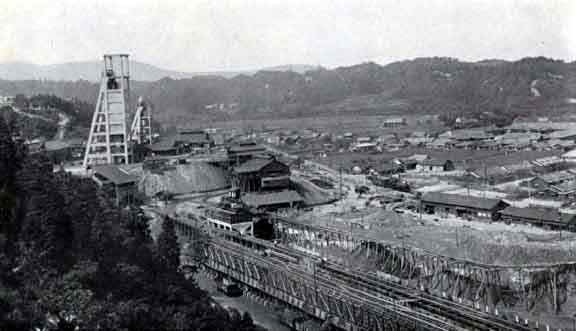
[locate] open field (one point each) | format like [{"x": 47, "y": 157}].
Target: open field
[
  {"x": 461, "y": 158},
  {"x": 358, "y": 124},
  {"x": 491, "y": 243}
]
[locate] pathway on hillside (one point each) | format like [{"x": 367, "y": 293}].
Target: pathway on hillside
[
  {"x": 62, "y": 125},
  {"x": 63, "y": 121},
  {"x": 21, "y": 112}
]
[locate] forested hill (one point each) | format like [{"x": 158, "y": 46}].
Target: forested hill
[
  {"x": 430, "y": 85},
  {"x": 69, "y": 260}
]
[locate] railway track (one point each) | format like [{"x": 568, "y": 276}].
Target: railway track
[
  {"x": 461, "y": 314},
  {"x": 383, "y": 297},
  {"x": 373, "y": 304}
]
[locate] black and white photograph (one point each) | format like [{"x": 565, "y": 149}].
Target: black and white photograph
[{"x": 288, "y": 165}]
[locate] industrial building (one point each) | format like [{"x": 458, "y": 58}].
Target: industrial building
[
  {"x": 556, "y": 183},
  {"x": 181, "y": 142},
  {"x": 393, "y": 122},
  {"x": 240, "y": 153},
  {"x": 230, "y": 215},
  {"x": 543, "y": 217},
  {"x": 258, "y": 175},
  {"x": 118, "y": 184},
  {"x": 435, "y": 165},
  {"x": 265, "y": 183},
  {"x": 444, "y": 204}
]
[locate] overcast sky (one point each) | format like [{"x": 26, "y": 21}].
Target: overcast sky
[{"x": 199, "y": 35}]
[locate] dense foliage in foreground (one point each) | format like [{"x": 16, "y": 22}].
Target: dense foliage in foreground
[{"x": 68, "y": 258}]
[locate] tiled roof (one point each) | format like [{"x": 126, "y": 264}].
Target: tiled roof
[{"x": 460, "y": 200}]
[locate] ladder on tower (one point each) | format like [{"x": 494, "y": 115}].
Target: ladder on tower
[
  {"x": 108, "y": 140},
  {"x": 141, "y": 130}
]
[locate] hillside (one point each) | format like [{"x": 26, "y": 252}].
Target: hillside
[
  {"x": 424, "y": 85},
  {"x": 71, "y": 260}
]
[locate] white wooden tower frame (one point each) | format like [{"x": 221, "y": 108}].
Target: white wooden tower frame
[{"x": 108, "y": 140}]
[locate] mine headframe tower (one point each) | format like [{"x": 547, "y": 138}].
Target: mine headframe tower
[
  {"x": 141, "y": 131},
  {"x": 108, "y": 140}
]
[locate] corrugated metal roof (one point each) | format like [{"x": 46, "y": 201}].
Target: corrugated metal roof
[
  {"x": 461, "y": 200},
  {"x": 271, "y": 198}
]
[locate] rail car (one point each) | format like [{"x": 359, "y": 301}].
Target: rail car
[
  {"x": 229, "y": 288},
  {"x": 280, "y": 256},
  {"x": 388, "y": 277}
]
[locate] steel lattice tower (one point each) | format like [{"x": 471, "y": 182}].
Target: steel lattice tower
[
  {"x": 108, "y": 140},
  {"x": 141, "y": 131}
]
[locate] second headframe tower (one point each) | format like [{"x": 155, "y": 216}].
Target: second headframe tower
[{"x": 108, "y": 139}]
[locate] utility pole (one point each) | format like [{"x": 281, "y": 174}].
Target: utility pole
[
  {"x": 340, "y": 180},
  {"x": 315, "y": 283},
  {"x": 457, "y": 239}
]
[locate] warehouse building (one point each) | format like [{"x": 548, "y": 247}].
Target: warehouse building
[
  {"x": 444, "y": 205},
  {"x": 535, "y": 216},
  {"x": 240, "y": 153},
  {"x": 116, "y": 183}
]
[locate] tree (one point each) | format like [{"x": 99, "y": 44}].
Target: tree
[
  {"x": 168, "y": 248},
  {"x": 20, "y": 101},
  {"x": 81, "y": 203},
  {"x": 81, "y": 262},
  {"x": 9, "y": 163}
]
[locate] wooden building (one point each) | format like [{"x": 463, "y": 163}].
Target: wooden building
[
  {"x": 184, "y": 141},
  {"x": 264, "y": 184},
  {"x": 544, "y": 217},
  {"x": 193, "y": 139},
  {"x": 393, "y": 122},
  {"x": 560, "y": 183},
  {"x": 256, "y": 175},
  {"x": 444, "y": 204},
  {"x": 230, "y": 215},
  {"x": 238, "y": 154},
  {"x": 435, "y": 165},
  {"x": 116, "y": 183}
]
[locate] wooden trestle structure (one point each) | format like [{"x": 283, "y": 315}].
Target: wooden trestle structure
[
  {"x": 483, "y": 286},
  {"x": 325, "y": 290}
]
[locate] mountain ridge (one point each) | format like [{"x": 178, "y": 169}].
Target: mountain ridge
[
  {"x": 140, "y": 71},
  {"x": 434, "y": 85}
]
